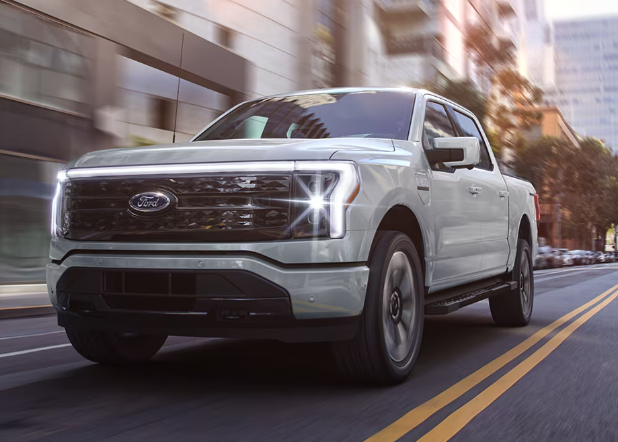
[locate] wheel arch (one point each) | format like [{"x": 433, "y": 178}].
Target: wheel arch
[
  {"x": 401, "y": 218},
  {"x": 525, "y": 230}
]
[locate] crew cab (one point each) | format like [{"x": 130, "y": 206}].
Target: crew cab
[{"x": 340, "y": 216}]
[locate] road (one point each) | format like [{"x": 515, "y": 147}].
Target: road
[{"x": 556, "y": 379}]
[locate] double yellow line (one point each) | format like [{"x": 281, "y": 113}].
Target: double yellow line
[{"x": 450, "y": 426}]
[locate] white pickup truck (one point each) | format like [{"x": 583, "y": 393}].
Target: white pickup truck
[{"x": 341, "y": 216}]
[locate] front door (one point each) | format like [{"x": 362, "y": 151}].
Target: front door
[
  {"x": 492, "y": 200},
  {"x": 456, "y": 209}
]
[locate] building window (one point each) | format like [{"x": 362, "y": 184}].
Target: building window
[
  {"x": 163, "y": 10},
  {"x": 53, "y": 72},
  {"x": 225, "y": 37},
  {"x": 326, "y": 38}
]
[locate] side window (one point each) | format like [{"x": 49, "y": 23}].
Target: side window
[
  {"x": 437, "y": 124},
  {"x": 470, "y": 129}
]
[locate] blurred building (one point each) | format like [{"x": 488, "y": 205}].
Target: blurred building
[
  {"x": 551, "y": 124},
  {"x": 536, "y": 55},
  {"x": 82, "y": 75},
  {"x": 291, "y": 44},
  {"x": 586, "y": 76},
  {"x": 425, "y": 40}
]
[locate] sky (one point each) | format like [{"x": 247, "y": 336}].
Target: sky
[{"x": 568, "y": 9}]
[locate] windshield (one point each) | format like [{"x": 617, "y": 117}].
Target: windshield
[{"x": 370, "y": 114}]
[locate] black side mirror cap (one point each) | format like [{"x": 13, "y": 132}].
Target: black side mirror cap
[{"x": 444, "y": 155}]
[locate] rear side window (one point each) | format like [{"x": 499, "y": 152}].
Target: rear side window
[
  {"x": 437, "y": 124},
  {"x": 470, "y": 129}
]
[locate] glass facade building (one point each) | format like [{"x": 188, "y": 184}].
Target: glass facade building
[
  {"x": 65, "y": 91},
  {"x": 586, "y": 76}
]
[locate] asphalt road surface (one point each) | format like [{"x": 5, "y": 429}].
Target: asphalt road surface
[{"x": 555, "y": 380}]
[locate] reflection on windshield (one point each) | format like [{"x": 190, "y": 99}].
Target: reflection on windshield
[{"x": 369, "y": 114}]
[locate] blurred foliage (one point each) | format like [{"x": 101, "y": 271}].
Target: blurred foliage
[
  {"x": 511, "y": 96},
  {"x": 583, "y": 180},
  {"x": 464, "y": 93}
]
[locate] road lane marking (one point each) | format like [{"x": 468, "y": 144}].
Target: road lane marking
[
  {"x": 32, "y": 350},
  {"x": 424, "y": 411},
  {"x": 26, "y": 306},
  {"x": 547, "y": 276},
  {"x": 27, "y": 336},
  {"x": 460, "y": 418}
]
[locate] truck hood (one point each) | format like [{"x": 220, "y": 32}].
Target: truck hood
[{"x": 230, "y": 151}]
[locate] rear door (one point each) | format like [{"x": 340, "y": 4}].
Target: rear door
[
  {"x": 457, "y": 230},
  {"x": 492, "y": 200}
]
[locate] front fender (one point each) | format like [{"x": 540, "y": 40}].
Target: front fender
[{"x": 387, "y": 180}]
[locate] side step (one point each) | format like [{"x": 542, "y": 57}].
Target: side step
[{"x": 450, "y": 305}]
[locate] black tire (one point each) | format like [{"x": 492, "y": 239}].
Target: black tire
[
  {"x": 114, "y": 348},
  {"x": 514, "y": 309},
  {"x": 371, "y": 355}
]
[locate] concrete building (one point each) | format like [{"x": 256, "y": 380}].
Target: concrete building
[
  {"x": 291, "y": 44},
  {"x": 536, "y": 55},
  {"x": 82, "y": 75},
  {"x": 586, "y": 76},
  {"x": 77, "y": 76},
  {"x": 552, "y": 124},
  {"x": 425, "y": 40}
]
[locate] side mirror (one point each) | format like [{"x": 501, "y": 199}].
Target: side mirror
[{"x": 457, "y": 152}]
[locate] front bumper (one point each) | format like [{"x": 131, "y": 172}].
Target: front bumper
[{"x": 323, "y": 300}]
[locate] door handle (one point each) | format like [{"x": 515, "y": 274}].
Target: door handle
[
  {"x": 503, "y": 193},
  {"x": 475, "y": 190}
]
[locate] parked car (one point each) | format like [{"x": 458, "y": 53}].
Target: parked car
[
  {"x": 339, "y": 215},
  {"x": 567, "y": 258},
  {"x": 544, "y": 258},
  {"x": 601, "y": 257},
  {"x": 548, "y": 257},
  {"x": 591, "y": 257},
  {"x": 579, "y": 257},
  {"x": 556, "y": 259}
]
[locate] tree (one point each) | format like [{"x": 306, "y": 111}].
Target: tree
[
  {"x": 584, "y": 180},
  {"x": 592, "y": 187},
  {"x": 464, "y": 93},
  {"x": 510, "y": 95}
]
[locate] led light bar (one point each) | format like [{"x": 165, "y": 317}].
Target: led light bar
[
  {"x": 181, "y": 169},
  {"x": 62, "y": 176}
]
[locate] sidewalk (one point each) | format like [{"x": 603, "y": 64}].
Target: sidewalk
[{"x": 27, "y": 300}]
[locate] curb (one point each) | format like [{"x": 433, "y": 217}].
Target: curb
[
  {"x": 23, "y": 312},
  {"x": 17, "y": 289}
]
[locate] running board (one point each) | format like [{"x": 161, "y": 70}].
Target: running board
[{"x": 453, "y": 304}]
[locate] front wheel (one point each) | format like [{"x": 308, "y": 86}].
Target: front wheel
[
  {"x": 114, "y": 348},
  {"x": 514, "y": 309},
  {"x": 389, "y": 337}
]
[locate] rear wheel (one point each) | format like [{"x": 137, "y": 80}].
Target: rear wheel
[
  {"x": 114, "y": 348},
  {"x": 388, "y": 341},
  {"x": 514, "y": 309}
]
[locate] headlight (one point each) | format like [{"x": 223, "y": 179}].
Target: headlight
[
  {"x": 323, "y": 191},
  {"x": 56, "y": 225}
]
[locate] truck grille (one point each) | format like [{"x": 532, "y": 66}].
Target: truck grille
[{"x": 208, "y": 208}]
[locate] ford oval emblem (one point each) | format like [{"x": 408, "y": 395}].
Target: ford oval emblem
[{"x": 148, "y": 202}]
